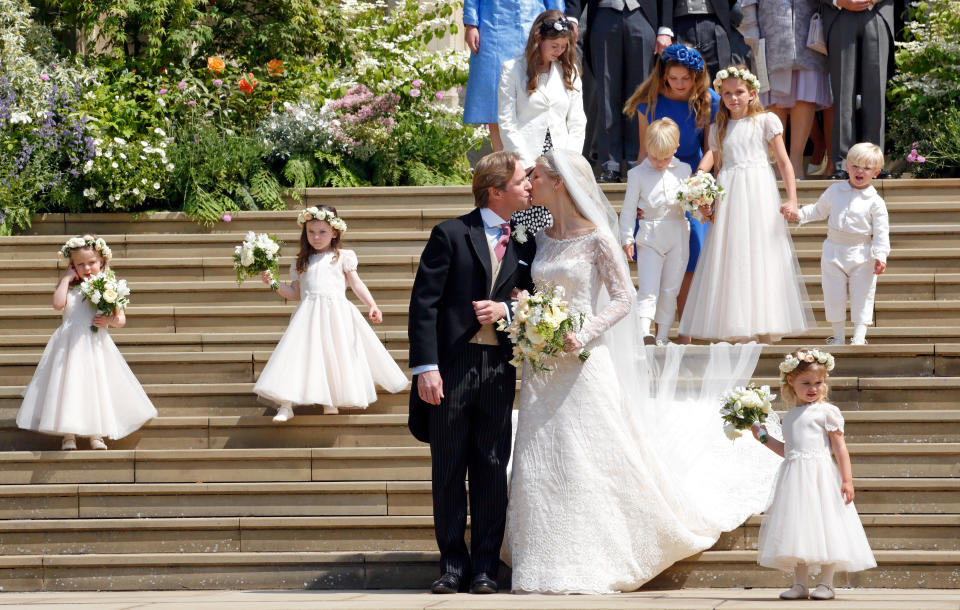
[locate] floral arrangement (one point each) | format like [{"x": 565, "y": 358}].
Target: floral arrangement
[
  {"x": 87, "y": 241},
  {"x": 733, "y": 72},
  {"x": 540, "y": 321},
  {"x": 687, "y": 57},
  {"x": 700, "y": 189},
  {"x": 106, "y": 294},
  {"x": 315, "y": 213},
  {"x": 744, "y": 407},
  {"x": 792, "y": 361},
  {"x": 258, "y": 252},
  {"x": 123, "y": 175}
]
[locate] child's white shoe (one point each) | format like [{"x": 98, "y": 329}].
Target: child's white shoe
[
  {"x": 822, "y": 592},
  {"x": 284, "y": 413},
  {"x": 797, "y": 591},
  {"x": 858, "y": 341},
  {"x": 69, "y": 442},
  {"x": 96, "y": 442},
  {"x": 330, "y": 410}
]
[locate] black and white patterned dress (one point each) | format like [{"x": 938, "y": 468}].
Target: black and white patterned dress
[{"x": 537, "y": 218}]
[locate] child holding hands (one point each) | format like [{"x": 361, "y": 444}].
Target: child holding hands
[
  {"x": 328, "y": 355},
  {"x": 662, "y": 242},
  {"x": 812, "y": 521},
  {"x": 82, "y": 385},
  {"x": 858, "y": 242}
]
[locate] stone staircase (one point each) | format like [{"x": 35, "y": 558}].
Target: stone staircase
[{"x": 213, "y": 494}]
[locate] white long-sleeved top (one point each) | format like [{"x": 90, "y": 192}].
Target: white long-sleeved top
[
  {"x": 654, "y": 192},
  {"x": 857, "y": 212},
  {"x": 524, "y": 119}
]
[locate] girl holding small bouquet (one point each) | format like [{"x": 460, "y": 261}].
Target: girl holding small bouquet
[
  {"x": 812, "y": 522},
  {"x": 328, "y": 355},
  {"x": 82, "y": 385},
  {"x": 748, "y": 284}
]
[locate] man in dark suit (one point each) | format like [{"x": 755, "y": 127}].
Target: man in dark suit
[
  {"x": 709, "y": 26},
  {"x": 621, "y": 39},
  {"x": 463, "y": 381},
  {"x": 859, "y": 36}
]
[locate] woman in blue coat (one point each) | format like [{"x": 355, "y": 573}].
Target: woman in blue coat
[{"x": 496, "y": 30}]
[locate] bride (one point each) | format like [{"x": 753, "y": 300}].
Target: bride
[{"x": 620, "y": 465}]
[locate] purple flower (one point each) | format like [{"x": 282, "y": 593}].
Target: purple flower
[
  {"x": 460, "y": 89},
  {"x": 182, "y": 85},
  {"x": 438, "y": 95},
  {"x": 414, "y": 93},
  {"x": 191, "y": 103},
  {"x": 417, "y": 83},
  {"x": 44, "y": 77},
  {"x": 921, "y": 159},
  {"x": 162, "y": 91},
  {"x": 912, "y": 157},
  {"x": 217, "y": 82},
  {"x": 226, "y": 217}
]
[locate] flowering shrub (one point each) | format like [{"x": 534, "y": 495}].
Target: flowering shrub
[
  {"x": 124, "y": 175},
  {"x": 925, "y": 91}
]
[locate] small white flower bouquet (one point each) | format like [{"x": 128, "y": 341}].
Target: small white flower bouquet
[
  {"x": 744, "y": 407},
  {"x": 698, "y": 190},
  {"x": 106, "y": 294},
  {"x": 539, "y": 322},
  {"x": 258, "y": 252}
]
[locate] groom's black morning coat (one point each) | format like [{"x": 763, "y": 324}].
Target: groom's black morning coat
[{"x": 455, "y": 271}]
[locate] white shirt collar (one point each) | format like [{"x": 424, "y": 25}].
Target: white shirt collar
[
  {"x": 870, "y": 191},
  {"x": 672, "y": 165},
  {"x": 490, "y": 218}
]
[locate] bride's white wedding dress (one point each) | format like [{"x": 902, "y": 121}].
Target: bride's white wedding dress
[{"x": 609, "y": 489}]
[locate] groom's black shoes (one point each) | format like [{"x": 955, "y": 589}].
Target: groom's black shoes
[
  {"x": 483, "y": 584},
  {"x": 448, "y": 583}
]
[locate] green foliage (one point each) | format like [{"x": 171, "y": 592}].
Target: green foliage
[{"x": 924, "y": 93}]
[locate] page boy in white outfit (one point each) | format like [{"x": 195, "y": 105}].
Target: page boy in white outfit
[
  {"x": 858, "y": 242},
  {"x": 662, "y": 242}
]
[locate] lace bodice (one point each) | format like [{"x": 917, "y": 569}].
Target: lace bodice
[
  {"x": 325, "y": 276},
  {"x": 745, "y": 143},
  {"x": 583, "y": 266},
  {"x": 805, "y": 430}
]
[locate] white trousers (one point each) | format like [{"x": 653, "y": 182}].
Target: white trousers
[
  {"x": 844, "y": 267},
  {"x": 663, "y": 247}
]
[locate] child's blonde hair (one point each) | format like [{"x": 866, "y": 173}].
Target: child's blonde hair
[
  {"x": 799, "y": 362},
  {"x": 662, "y": 138},
  {"x": 754, "y": 107},
  {"x": 866, "y": 154}
]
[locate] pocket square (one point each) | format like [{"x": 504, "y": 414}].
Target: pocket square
[{"x": 524, "y": 263}]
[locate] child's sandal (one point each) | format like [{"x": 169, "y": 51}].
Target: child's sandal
[
  {"x": 96, "y": 442},
  {"x": 797, "y": 591},
  {"x": 823, "y": 592},
  {"x": 69, "y": 443}
]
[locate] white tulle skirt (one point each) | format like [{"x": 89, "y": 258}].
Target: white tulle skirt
[
  {"x": 328, "y": 355},
  {"x": 808, "y": 521},
  {"x": 83, "y": 386}
]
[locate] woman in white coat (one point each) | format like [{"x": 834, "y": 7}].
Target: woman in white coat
[{"x": 540, "y": 101}]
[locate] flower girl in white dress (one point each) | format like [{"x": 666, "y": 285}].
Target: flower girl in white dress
[
  {"x": 747, "y": 284},
  {"x": 812, "y": 521},
  {"x": 328, "y": 355},
  {"x": 82, "y": 385}
]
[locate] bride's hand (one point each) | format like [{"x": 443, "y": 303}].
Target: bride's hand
[{"x": 571, "y": 343}]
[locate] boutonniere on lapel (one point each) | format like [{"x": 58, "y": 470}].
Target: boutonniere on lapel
[{"x": 520, "y": 234}]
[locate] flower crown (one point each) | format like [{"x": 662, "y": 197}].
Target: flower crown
[
  {"x": 734, "y": 72},
  {"x": 792, "y": 361},
  {"x": 686, "y": 56},
  {"x": 555, "y": 27},
  {"x": 315, "y": 213},
  {"x": 87, "y": 241}
]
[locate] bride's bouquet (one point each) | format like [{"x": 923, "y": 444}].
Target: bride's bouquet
[
  {"x": 540, "y": 320},
  {"x": 106, "y": 293},
  {"x": 700, "y": 189},
  {"x": 745, "y": 407},
  {"x": 258, "y": 252}
]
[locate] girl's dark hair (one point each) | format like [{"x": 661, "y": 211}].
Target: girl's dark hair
[
  {"x": 543, "y": 29},
  {"x": 303, "y": 257}
]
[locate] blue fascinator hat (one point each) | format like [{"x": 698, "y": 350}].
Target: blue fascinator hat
[{"x": 686, "y": 56}]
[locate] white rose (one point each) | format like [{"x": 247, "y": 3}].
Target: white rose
[
  {"x": 246, "y": 257},
  {"x": 731, "y": 431},
  {"x": 95, "y": 297},
  {"x": 110, "y": 295}
]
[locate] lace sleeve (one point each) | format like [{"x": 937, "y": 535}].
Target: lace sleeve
[
  {"x": 833, "y": 419},
  {"x": 294, "y": 276},
  {"x": 614, "y": 276},
  {"x": 348, "y": 260},
  {"x": 771, "y": 126}
]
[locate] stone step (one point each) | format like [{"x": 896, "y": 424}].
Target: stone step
[
  {"x": 390, "y": 430},
  {"x": 406, "y": 570},
  {"x": 358, "y": 534},
  {"x": 333, "y": 464},
  {"x": 355, "y": 498}
]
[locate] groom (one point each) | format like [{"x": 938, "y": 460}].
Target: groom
[{"x": 463, "y": 382}]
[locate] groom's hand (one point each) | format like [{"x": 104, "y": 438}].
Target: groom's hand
[
  {"x": 430, "y": 387},
  {"x": 488, "y": 312}
]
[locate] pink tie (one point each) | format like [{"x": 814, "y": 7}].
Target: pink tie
[{"x": 501, "y": 248}]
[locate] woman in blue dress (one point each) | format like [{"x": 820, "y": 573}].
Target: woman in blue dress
[
  {"x": 495, "y": 31},
  {"x": 679, "y": 88}
]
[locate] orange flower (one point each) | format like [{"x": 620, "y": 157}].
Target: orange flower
[
  {"x": 247, "y": 84},
  {"x": 215, "y": 65},
  {"x": 275, "y": 67}
]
